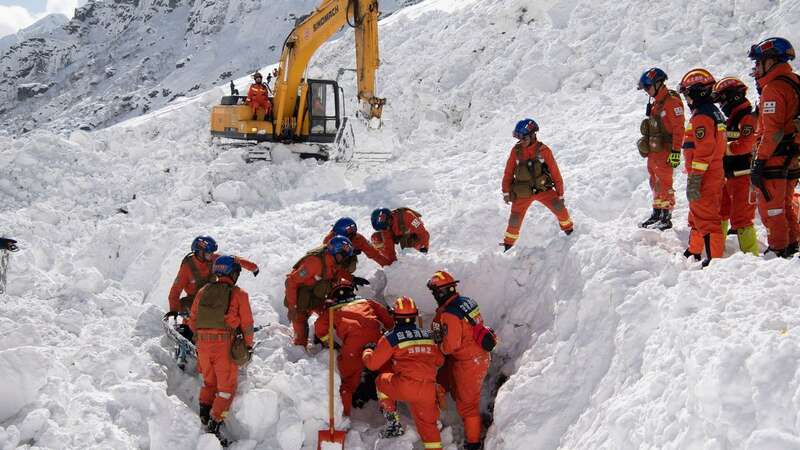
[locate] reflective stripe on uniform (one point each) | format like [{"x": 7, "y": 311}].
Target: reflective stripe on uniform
[
  {"x": 775, "y": 212},
  {"x": 324, "y": 338},
  {"x": 512, "y": 236},
  {"x": 405, "y": 344},
  {"x": 699, "y": 166},
  {"x": 433, "y": 444},
  {"x": 382, "y": 396},
  {"x": 224, "y": 394},
  {"x": 567, "y": 222}
]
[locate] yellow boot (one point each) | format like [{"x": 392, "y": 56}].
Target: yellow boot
[
  {"x": 747, "y": 240},
  {"x": 725, "y": 227}
]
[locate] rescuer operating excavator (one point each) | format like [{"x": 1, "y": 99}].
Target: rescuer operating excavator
[{"x": 309, "y": 110}]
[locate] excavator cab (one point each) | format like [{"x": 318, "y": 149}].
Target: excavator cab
[{"x": 324, "y": 110}]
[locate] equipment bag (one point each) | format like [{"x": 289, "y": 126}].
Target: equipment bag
[
  {"x": 483, "y": 335},
  {"x": 239, "y": 352},
  {"x": 531, "y": 176}
]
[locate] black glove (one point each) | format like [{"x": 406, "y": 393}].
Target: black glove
[
  {"x": 356, "y": 251},
  {"x": 8, "y": 244},
  {"x": 423, "y": 250},
  {"x": 368, "y": 345},
  {"x": 171, "y": 314},
  {"x": 256, "y": 271},
  {"x": 358, "y": 281},
  {"x": 757, "y": 178}
]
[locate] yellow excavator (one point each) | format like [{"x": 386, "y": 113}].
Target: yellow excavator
[{"x": 310, "y": 111}]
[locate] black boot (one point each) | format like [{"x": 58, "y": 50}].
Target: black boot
[
  {"x": 652, "y": 219},
  {"x": 707, "y": 240},
  {"x": 664, "y": 221},
  {"x": 791, "y": 249},
  {"x": 568, "y": 231},
  {"x": 688, "y": 254},
  {"x": 393, "y": 427},
  {"x": 472, "y": 446},
  {"x": 205, "y": 414},
  {"x": 215, "y": 428},
  {"x": 506, "y": 247}
]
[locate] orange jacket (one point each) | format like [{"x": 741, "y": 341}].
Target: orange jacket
[
  {"x": 309, "y": 271},
  {"x": 457, "y": 337},
  {"x": 412, "y": 223},
  {"x": 258, "y": 92},
  {"x": 744, "y": 137},
  {"x": 239, "y": 314},
  {"x": 361, "y": 243},
  {"x": 360, "y": 320},
  {"x": 412, "y": 352},
  {"x": 530, "y": 153},
  {"x": 776, "y": 109},
  {"x": 670, "y": 109},
  {"x": 705, "y": 140},
  {"x": 185, "y": 281}
]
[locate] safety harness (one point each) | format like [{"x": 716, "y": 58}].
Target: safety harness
[
  {"x": 531, "y": 176},
  {"x": 467, "y": 309},
  {"x": 312, "y": 297},
  {"x": 737, "y": 165},
  {"x": 199, "y": 281},
  {"x": 655, "y": 136}
]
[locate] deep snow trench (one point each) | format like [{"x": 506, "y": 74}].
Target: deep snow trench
[{"x": 609, "y": 338}]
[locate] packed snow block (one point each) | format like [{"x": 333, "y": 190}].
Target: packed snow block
[
  {"x": 89, "y": 280},
  {"x": 257, "y": 411},
  {"x": 290, "y": 430},
  {"x": 34, "y": 423},
  {"x": 148, "y": 324},
  {"x": 773, "y": 440},
  {"x": 24, "y": 373}
]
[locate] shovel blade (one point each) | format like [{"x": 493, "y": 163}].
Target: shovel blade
[{"x": 330, "y": 438}]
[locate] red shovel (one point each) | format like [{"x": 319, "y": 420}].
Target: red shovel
[{"x": 331, "y": 435}]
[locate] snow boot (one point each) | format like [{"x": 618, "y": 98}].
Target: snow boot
[
  {"x": 791, "y": 249},
  {"x": 472, "y": 446},
  {"x": 393, "y": 427},
  {"x": 568, "y": 231},
  {"x": 664, "y": 221},
  {"x": 506, "y": 247},
  {"x": 215, "y": 428},
  {"x": 688, "y": 254},
  {"x": 652, "y": 219},
  {"x": 205, "y": 414}
]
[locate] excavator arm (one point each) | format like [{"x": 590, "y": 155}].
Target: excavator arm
[{"x": 291, "y": 87}]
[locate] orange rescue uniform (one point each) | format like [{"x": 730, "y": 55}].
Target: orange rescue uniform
[
  {"x": 551, "y": 198},
  {"x": 310, "y": 271},
  {"x": 736, "y": 207},
  {"x": 356, "y": 323},
  {"x": 777, "y": 108},
  {"x": 214, "y": 348},
  {"x": 361, "y": 243},
  {"x": 414, "y": 358},
  {"x": 704, "y": 146},
  {"x": 406, "y": 229},
  {"x": 193, "y": 274},
  {"x": 668, "y": 107},
  {"x": 258, "y": 97},
  {"x": 466, "y": 361}
]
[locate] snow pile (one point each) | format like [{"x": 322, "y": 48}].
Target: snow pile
[{"x": 609, "y": 339}]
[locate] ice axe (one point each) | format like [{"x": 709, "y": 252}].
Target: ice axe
[{"x": 331, "y": 435}]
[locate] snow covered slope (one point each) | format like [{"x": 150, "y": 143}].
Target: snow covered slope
[
  {"x": 116, "y": 60},
  {"x": 610, "y": 340}
]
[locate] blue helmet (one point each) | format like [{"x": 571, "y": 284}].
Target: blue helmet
[
  {"x": 225, "y": 265},
  {"x": 380, "y": 218},
  {"x": 525, "y": 128},
  {"x": 774, "y": 47},
  {"x": 205, "y": 244},
  {"x": 345, "y": 227},
  {"x": 340, "y": 245},
  {"x": 651, "y": 77}
]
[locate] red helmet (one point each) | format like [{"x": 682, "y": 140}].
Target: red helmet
[
  {"x": 405, "y": 306},
  {"x": 441, "y": 279},
  {"x": 343, "y": 290},
  {"x": 727, "y": 88},
  {"x": 696, "y": 79}
]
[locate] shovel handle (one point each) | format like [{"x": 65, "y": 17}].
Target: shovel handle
[{"x": 330, "y": 369}]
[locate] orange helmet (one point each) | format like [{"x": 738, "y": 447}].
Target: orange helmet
[
  {"x": 697, "y": 84},
  {"x": 728, "y": 89},
  {"x": 441, "y": 279},
  {"x": 405, "y": 307}
]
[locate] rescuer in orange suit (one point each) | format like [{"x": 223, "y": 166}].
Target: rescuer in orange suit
[
  {"x": 347, "y": 227},
  {"x": 195, "y": 272},
  {"x": 258, "y": 97},
  {"x": 662, "y": 135},
  {"x": 220, "y": 309},
  {"x": 356, "y": 322},
  {"x": 466, "y": 362},
  {"x": 704, "y": 146},
  {"x": 311, "y": 280},
  {"x": 731, "y": 94},
  {"x": 401, "y": 226},
  {"x": 414, "y": 358},
  {"x": 532, "y": 174},
  {"x": 776, "y": 168}
]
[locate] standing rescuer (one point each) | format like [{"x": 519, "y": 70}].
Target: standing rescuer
[
  {"x": 731, "y": 94},
  {"x": 458, "y": 329},
  {"x": 219, "y": 310},
  {"x": 531, "y": 174},
  {"x": 662, "y": 134},
  {"x": 311, "y": 280},
  {"x": 704, "y": 145},
  {"x": 258, "y": 97},
  {"x": 414, "y": 359},
  {"x": 776, "y": 168}
]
